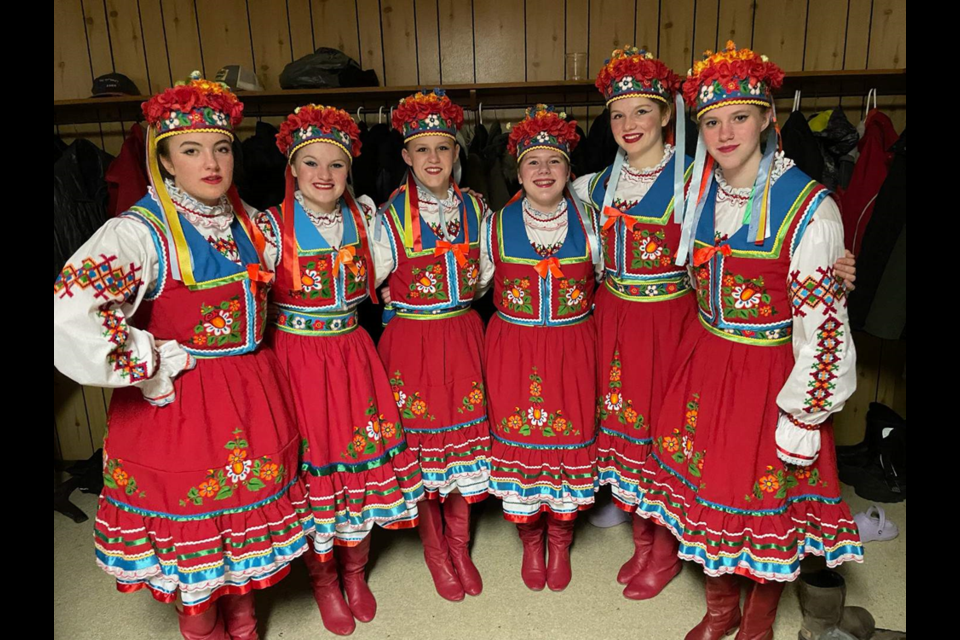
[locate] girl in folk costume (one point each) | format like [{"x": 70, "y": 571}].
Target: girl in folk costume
[
  {"x": 743, "y": 471},
  {"x": 647, "y": 301},
  {"x": 433, "y": 346},
  {"x": 167, "y": 304},
  {"x": 541, "y": 254},
  {"x": 356, "y": 464}
]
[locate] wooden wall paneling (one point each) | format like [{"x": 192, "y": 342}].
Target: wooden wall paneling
[
  {"x": 826, "y": 35},
  {"x": 400, "y": 41},
  {"x": 102, "y": 63},
  {"x": 613, "y": 24},
  {"x": 72, "y": 74},
  {"x": 301, "y": 28},
  {"x": 457, "y": 61},
  {"x": 888, "y": 35},
  {"x": 577, "y": 37},
  {"x": 96, "y": 405},
  {"x": 780, "y": 33},
  {"x": 371, "y": 38},
  {"x": 501, "y": 41},
  {"x": 71, "y": 59},
  {"x": 182, "y": 31},
  {"x": 335, "y": 26},
  {"x": 707, "y": 33},
  {"x": 155, "y": 46},
  {"x": 826, "y": 48},
  {"x": 70, "y": 414},
  {"x": 578, "y": 29},
  {"x": 850, "y": 424},
  {"x": 736, "y": 22},
  {"x": 856, "y": 49},
  {"x": 647, "y": 34},
  {"x": 57, "y": 451},
  {"x": 677, "y": 24},
  {"x": 98, "y": 38},
  {"x": 127, "y": 42},
  {"x": 270, "y": 33},
  {"x": 428, "y": 41},
  {"x": 891, "y": 387},
  {"x": 546, "y": 57},
  {"x": 224, "y": 34},
  {"x": 888, "y": 50}
]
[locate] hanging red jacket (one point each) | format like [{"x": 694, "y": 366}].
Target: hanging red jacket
[
  {"x": 871, "y": 172},
  {"x": 127, "y": 175}
]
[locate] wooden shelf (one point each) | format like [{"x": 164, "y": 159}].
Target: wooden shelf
[{"x": 472, "y": 96}]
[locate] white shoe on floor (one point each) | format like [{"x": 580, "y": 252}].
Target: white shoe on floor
[{"x": 608, "y": 516}]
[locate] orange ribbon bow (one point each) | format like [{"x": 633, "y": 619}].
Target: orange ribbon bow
[
  {"x": 549, "y": 266},
  {"x": 346, "y": 257},
  {"x": 706, "y": 254},
  {"x": 459, "y": 250},
  {"x": 615, "y": 214}
]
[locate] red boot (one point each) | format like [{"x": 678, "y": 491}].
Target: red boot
[
  {"x": 534, "y": 570},
  {"x": 723, "y": 610},
  {"x": 760, "y": 611},
  {"x": 437, "y": 553},
  {"x": 662, "y": 567},
  {"x": 559, "y": 539},
  {"x": 643, "y": 531},
  {"x": 456, "y": 515},
  {"x": 337, "y": 617},
  {"x": 239, "y": 617},
  {"x": 206, "y": 626},
  {"x": 353, "y": 567}
]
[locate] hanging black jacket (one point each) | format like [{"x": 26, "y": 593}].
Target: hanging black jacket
[
  {"x": 475, "y": 173},
  {"x": 263, "y": 180},
  {"x": 837, "y": 140},
  {"x": 481, "y": 139},
  {"x": 392, "y": 168},
  {"x": 365, "y": 166},
  {"x": 693, "y": 137},
  {"x": 801, "y": 145},
  {"x": 80, "y": 198},
  {"x": 498, "y": 138},
  {"x": 601, "y": 145},
  {"x": 578, "y": 159},
  {"x": 59, "y": 146},
  {"x": 501, "y": 173}
]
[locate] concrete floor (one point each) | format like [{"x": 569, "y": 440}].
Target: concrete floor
[{"x": 87, "y": 607}]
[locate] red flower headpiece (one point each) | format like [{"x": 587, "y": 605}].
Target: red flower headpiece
[
  {"x": 197, "y": 105},
  {"x": 314, "y": 123},
  {"x": 543, "y": 128},
  {"x": 737, "y": 76},
  {"x": 426, "y": 114},
  {"x": 631, "y": 72}
]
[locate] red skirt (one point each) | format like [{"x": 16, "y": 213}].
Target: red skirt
[
  {"x": 543, "y": 389},
  {"x": 436, "y": 371},
  {"x": 357, "y": 466},
  {"x": 637, "y": 359},
  {"x": 714, "y": 478},
  {"x": 201, "y": 496}
]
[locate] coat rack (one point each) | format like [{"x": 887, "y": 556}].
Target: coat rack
[{"x": 470, "y": 96}]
